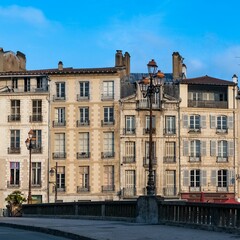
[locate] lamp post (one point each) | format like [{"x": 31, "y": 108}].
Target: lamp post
[
  {"x": 148, "y": 88},
  {"x": 52, "y": 171},
  {"x": 29, "y": 143}
]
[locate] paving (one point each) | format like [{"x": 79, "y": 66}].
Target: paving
[{"x": 112, "y": 230}]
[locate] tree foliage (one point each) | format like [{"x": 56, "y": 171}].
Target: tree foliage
[{"x": 15, "y": 198}]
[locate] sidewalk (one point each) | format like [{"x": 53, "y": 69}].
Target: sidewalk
[{"x": 112, "y": 230}]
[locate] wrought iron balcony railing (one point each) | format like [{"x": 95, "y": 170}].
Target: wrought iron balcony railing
[{"x": 14, "y": 118}]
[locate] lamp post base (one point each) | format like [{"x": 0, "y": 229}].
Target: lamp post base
[{"x": 29, "y": 199}]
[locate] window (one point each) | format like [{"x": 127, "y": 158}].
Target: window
[
  {"x": 36, "y": 173},
  {"x": 60, "y": 90},
  {"x": 15, "y": 111},
  {"x": 14, "y": 173},
  {"x": 14, "y": 141},
  {"x": 222, "y": 178},
  {"x": 39, "y": 82},
  {"x": 59, "y": 145},
  {"x": 130, "y": 183},
  {"x": 146, "y": 158},
  {"x": 108, "y": 181},
  {"x": 130, "y": 124},
  {"x": 222, "y": 123},
  {"x": 83, "y": 145},
  {"x": 194, "y": 122},
  {"x": 108, "y": 115},
  {"x": 84, "y": 179},
  {"x": 108, "y": 144},
  {"x": 27, "y": 86},
  {"x": 14, "y": 83},
  {"x": 129, "y": 152},
  {"x": 170, "y": 152},
  {"x": 84, "y": 90},
  {"x": 59, "y": 117},
  {"x": 195, "y": 179},
  {"x": 84, "y": 116},
  {"x": 170, "y": 189},
  {"x": 195, "y": 150},
  {"x": 36, "y": 111},
  {"x": 170, "y": 123},
  {"x": 108, "y": 90},
  {"x": 147, "y": 128},
  {"x": 222, "y": 150},
  {"x": 38, "y": 142},
  {"x": 61, "y": 179}
]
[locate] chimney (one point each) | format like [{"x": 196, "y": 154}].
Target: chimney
[
  {"x": 184, "y": 70},
  {"x": 235, "y": 78},
  {"x": 118, "y": 59},
  {"x": 22, "y": 60},
  {"x": 177, "y": 65},
  {"x": 60, "y": 65},
  {"x": 126, "y": 62}
]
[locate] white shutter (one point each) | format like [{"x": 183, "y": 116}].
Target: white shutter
[
  {"x": 212, "y": 121},
  {"x": 203, "y": 148},
  {"x": 214, "y": 178},
  {"x": 231, "y": 177},
  {"x": 185, "y": 148},
  {"x": 186, "y": 178},
  {"x": 185, "y": 121},
  {"x": 230, "y": 122},
  {"x": 213, "y": 148},
  {"x": 203, "y": 178},
  {"x": 230, "y": 148},
  {"x": 203, "y": 121}
]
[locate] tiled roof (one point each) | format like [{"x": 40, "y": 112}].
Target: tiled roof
[
  {"x": 138, "y": 76},
  {"x": 206, "y": 80},
  {"x": 56, "y": 71}
]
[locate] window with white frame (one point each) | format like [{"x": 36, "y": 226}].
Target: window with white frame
[
  {"x": 222, "y": 178},
  {"x": 195, "y": 178},
  {"x": 147, "y": 124},
  {"x": 27, "y": 86},
  {"x": 108, "y": 115},
  {"x": 36, "y": 110},
  {"x": 130, "y": 124},
  {"x": 60, "y": 90},
  {"x": 129, "y": 152},
  {"x": 108, "y": 181},
  {"x": 14, "y": 173},
  {"x": 38, "y": 140},
  {"x": 170, "y": 152},
  {"x": 84, "y": 144},
  {"x": 15, "y": 110},
  {"x": 59, "y": 145},
  {"x": 108, "y": 90},
  {"x": 15, "y": 139},
  {"x": 194, "y": 122},
  {"x": 36, "y": 173},
  {"x": 170, "y": 124},
  {"x": 84, "y": 90},
  {"x": 83, "y": 178},
  {"x": 60, "y": 116},
  {"x": 222, "y": 150},
  {"x": 108, "y": 144},
  {"x": 61, "y": 178},
  {"x": 130, "y": 183},
  {"x": 222, "y": 123},
  {"x": 84, "y": 115},
  {"x": 195, "y": 148}
]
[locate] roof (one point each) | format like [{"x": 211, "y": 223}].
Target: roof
[
  {"x": 56, "y": 71},
  {"x": 207, "y": 80},
  {"x": 138, "y": 76}
]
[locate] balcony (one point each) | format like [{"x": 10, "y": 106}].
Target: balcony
[
  {"x": 222, "y": 159},
  {"x": 81, "y": 123},
  {"x": 194, "y": 130},
  {"x": 82, "y": 189},
  {"x": 169, "y": 131},
  {"x": 129, "y": 192},
  {"x": 194, "y": 159},
  {"x": 14, "y": 150},
  {"x": 59, "y": 155},
  {"x": 82, "y": 98},
  {"x": 169, "y": 159},
  {"x": 207, "y": 104},
  {"x": 170, "y": 191},
  {"x": 107, "y": 155},
  {"x": 221, "y": 130},
  {"x": 129, "y": 131},
  {"x": 59, "y": 98},
  {"x": 14, "y": 118},
  {"x": 108, "y": 188},
  {"x": 146, "y": 161},
  {"x": 82, "y": 155},
  {"x": 129, "y": 159},
  {"x": 107, "y": 97},
  {"x": 195, "y": 189},
  {"x": 35, "y": 118},
  {"x": 222, "y": 189},
  {"x": 147, "y": 131},
  {"x": 143, "y": 104},
  {"x": 13, "y": 184},
  {"x": 110, "y": 122},
  {"x": 59, "y": 123},
  {"x": 37, "y": 150}
]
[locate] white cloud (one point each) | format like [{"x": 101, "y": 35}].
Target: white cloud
[{"x": 29, "y": 15}]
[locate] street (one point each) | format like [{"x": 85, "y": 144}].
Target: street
[{"x": 16, "y": 234}]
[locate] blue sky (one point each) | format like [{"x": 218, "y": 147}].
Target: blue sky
[{"x": 87, "y": 33}]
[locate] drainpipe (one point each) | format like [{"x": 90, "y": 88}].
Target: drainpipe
[
  {"x": 234, "y": 141},
  {"x": 179, "y": 150},
  {"x": 49, "y": 142}
]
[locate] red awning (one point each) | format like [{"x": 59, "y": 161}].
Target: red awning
[{"x": 231, "y": 201}]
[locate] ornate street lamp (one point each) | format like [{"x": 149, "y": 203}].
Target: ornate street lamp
[
  {"x": 150, "y": 86},
  {"x": 53, "y": 171},
  {"x": 30, "y": 145}
]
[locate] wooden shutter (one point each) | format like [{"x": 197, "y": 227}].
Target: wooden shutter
[
  {"x": 230, "y": 148},
  {"x": 231, "y": 177},
  {"x": 203, "y": 148},
  {"x": 230, "y": 122},
  {"x": 213, "y": 148},
  {"x": 186, "y": 178},
  {"x": 203, "y": 178},
  {"x": 185, "y": 148},
  {"x": 203, "y": 121},
  {"x": 214, "y": 177},
  {"x": 185, "y": 121},
  {"x": 212, "y": 121}
]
